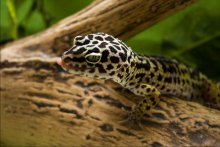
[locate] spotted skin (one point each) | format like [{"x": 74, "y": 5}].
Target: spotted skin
[{"x": 102, "y": 56}]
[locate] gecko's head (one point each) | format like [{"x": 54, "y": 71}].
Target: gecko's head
[{"x": 95, "y": 55}]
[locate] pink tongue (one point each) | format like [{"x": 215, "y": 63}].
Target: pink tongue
[{"x": 61, "y": 63}]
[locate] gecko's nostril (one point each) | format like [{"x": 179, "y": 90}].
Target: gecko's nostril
[{"x": 64, "y": 54}]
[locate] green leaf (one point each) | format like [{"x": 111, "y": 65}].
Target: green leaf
[
  {"x": 196, "y": 42},
  {"x": 12, "y": 12},
  {"x": 23, "y": 9},
  {"x": 35, "y": 23},
  {"x": 5, "y": 22},
  {"x": 11, "y": 9}
]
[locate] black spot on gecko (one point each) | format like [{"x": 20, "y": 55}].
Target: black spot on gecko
[
  {"x": 169, "y": 69},
  {"x": 163, "y": 87},
  {"x": 79, "y": 51},
  {"x": 92, "y": 45},
  {"x": 141, "y": 75},
  {"x": 116, "y": 46},
  {"x": 112, "y": 73},
  {"x": 194, "y": 74},
  {"x": 127, "y": 70},
  {"x": 114, "y": 59},
  {"x": 77, "y": 38},
  {"x": 184, "y": 71},
  {"x": 92, "y": 70},
  {"x": 168, "y": 80},
  {"x": 155, "y": 65},
  {"x": 132, "y": 83},
  {"x": 84, "y": 43},
  {"x": 103, "y": 45},
  {"x": 178, "y": 80},
  {"x": 187, "y": 81},
  {"x": 174, "y": 80},
  {"x": 123, "y": 56},
  {"x": 105, "y": 54},
  {"x": 147, "y": 79},
  {"x": 94, "y": 50},
  {"x": 137, "y": 86},
  {"x": 99, "y": 38},
  {"x": 113, "y": 49},
  {"x": 109, "y": 67},
  {"x": 154, "y": 102},
  {"x": 183, "y": 81},
  {"x": 119, "y": 65},
  {"x": 115, "y": 43},
  {"x": 151, "y": 74},
  {"x": 146, "y": 66},
  {"x": 163, "y": 67},
  {"x": 140, "y": 58},
  {"x": 95, "y": 42},
  {"x": 109, "y": 38},
  {"x": 148, "y": 107},
  {"x": 100, "y": 68},
  {"x": 143, "y": 86},
  {"x": 80, "y": 59},
  {"x": 120, "y": 76},
  {"x": 124, "y": 49},
  {"x": 90, "y": 37},
  {"x": 132, "y": 64},
  {"x": 160, "y": 77},
  {"x": 89, "y": 64}
]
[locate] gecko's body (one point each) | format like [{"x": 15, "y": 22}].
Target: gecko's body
[{"x": 102, "y": 56}]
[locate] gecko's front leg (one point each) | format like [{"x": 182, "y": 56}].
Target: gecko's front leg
[{"x": 151, "y": 98}]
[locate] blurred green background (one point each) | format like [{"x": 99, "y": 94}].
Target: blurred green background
[{"x": 192, "y": 35}]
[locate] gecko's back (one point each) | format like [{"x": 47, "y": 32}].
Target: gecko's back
[{"x": 174, "y": 78}]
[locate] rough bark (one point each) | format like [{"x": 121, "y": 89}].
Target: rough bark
[{"x": 43, "y": 106}]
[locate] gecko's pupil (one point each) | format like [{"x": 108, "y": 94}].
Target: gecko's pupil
[{"x": 93, "y": 58}]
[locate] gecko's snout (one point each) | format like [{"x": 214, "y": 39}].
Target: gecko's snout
[{"x": 63, "y": 55}]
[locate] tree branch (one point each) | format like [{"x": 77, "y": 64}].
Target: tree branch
[
  {"x": 120, "y": 18},
  {"x": 42, "y": 106}
]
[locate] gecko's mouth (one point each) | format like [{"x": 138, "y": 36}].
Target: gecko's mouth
[{"x": 68, "y": 67}]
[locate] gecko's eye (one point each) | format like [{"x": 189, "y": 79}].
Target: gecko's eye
[{"x": 93, "y": 58}]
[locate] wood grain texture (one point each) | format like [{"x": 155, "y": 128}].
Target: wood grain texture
[{"x": 43, "y": 106}]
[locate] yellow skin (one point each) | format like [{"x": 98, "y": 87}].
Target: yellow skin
[{"x": 102, "y": 56}]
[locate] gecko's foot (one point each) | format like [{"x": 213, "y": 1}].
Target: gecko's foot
[{"x": 133, "y": 119}]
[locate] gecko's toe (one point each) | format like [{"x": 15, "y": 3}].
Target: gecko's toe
[{"x": 132, "y": 120}]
